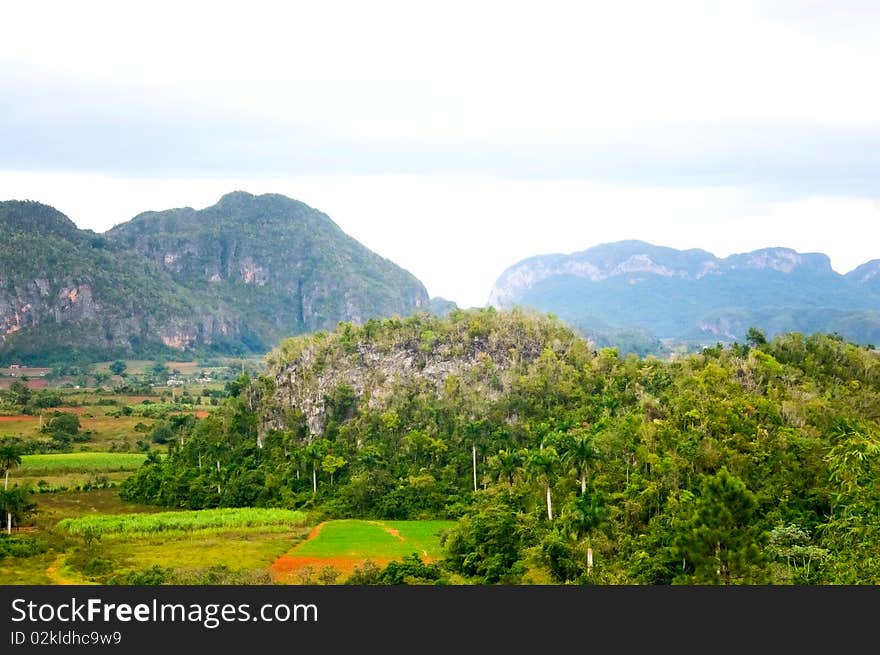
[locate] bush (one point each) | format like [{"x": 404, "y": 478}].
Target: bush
[{"x": 21, "y": 546}]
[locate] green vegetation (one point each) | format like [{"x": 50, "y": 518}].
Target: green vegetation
[
  {"x": 742, "y": 464},
  {"x": 80, "y": 462},
  {"x": 181, "y": 521},
  {"x": 485, "y": 447},
  {"x": 231, "y": 279},
  {"x": 375, "y": 540}
]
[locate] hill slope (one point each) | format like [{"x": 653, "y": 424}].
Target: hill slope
[
  {"x": 285, "y": 266},
  {"x": 234, "y": 277}
]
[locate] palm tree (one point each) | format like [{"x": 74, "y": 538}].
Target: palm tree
[
  {"x": 507, "y": 465},
  {"x": 14, "y": 502},
  {"x": 10, "y": 457},
  {"x": 314, "y": 453},
  {"x": 542, "y": 465},
  {"x": 581, "y": 453}
]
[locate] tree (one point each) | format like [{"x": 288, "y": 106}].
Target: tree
[
  {"x": 791, "y": 544},
  {"x": 19, "y": 393},
  {"x": 16, "y": 505},
  {"x": 330, "y": 464},
  {"x": 581, "y": 453},
  {"x": 314, "y": 453},
  {"x": 755, "y": 338},
  {"x": 63, "y": 426},
  {"x": 542, "y": 465},
  {"x": 507, "y": 465},
  {"x": 852, "y": 531},
  {"x": 721, "y": 538},
  {"x": 10, "y": 458},
  {"x": 118, "y": 367}
]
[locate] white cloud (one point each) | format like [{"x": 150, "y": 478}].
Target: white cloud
[{"x": 456, "y": 138}]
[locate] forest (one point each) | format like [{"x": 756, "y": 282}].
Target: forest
[{"x": 559, "y": 462}]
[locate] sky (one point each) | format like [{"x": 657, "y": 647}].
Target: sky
[{"x": 457, "y": 138}]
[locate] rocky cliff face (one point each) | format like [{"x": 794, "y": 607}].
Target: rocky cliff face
[
  {"x": 285, "y": 264},
  {"x": 631, "y": 257},
  {"x": 479, "y": 352}
]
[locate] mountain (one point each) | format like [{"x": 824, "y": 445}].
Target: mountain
[
  {"x": 617, "y": 292},
  {"x": 235, "y": 277},
  {"x": 866, "y": 275},
  {"x": 65, "y": 291},
  {"x": 284, "y": 266}
]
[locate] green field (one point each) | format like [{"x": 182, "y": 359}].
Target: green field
[
  {"x": 375, "y": 540},
  {"x": 81, "y": 462},
  {"x": 135, "y": 524},
  {"x": 247, "y": 551}
]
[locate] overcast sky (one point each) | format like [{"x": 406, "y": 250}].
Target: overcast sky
[{"x": 456, "y": 138}]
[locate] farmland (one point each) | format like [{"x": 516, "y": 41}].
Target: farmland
[
  {"x": 87, "y": 461},
  {"x": 81, "y": 532},
  {"x": 344, "y": 545},
  {"x": 128, "y": 524}
]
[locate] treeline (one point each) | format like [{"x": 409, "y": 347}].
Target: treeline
[{"x": 755, "y": 463}]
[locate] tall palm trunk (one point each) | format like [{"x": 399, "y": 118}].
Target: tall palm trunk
[
  {"x": 474, "y": 451},
  {"x": 549, "y": 504},
  {"x": 8, "y": 512}
]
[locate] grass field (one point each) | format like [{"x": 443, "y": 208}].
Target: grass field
[
  {"x": 348, "y": 543},
  {"x": 64, "y": 471},
  {"x": 136, "y": 524},
  {"x": 81, "y": 462},
  {"x": 103, "y": 430},
  {"x": 26, "y": 570},
  {"x": 251, "y": 549}
]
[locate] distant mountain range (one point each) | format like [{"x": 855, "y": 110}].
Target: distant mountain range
[
  {"x": 636, "y": 295},
  {"x": 233, "y": 278}
]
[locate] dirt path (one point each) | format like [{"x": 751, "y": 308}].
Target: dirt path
[
  {"x": 394, "y": 533},
  {"x": 53, "y": 572},
  {"x": 315, "y": 531}
]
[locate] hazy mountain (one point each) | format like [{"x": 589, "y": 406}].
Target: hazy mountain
[
  {"x": 635, "y": 290},
  {"x": 867, "y": 275},
  {"x": 235, "y": 277}
]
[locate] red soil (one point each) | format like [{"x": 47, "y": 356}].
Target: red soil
[
  {"x": 288, "y": 568},
  {"x": 393, "y": 533},
  {"x": 315, "y": 531}
]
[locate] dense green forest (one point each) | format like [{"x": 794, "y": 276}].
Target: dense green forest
[{"x": 745, "y": 464}]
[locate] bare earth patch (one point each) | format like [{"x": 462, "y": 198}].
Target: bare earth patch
[{"x": 394, "y": 533}]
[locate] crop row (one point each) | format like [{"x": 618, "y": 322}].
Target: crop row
[{"x": 182, "y": 520}]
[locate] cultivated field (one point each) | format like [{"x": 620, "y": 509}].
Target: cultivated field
[
  {"x": 346, "y": 544},
  {"x": 135, "y": 524},
  {"x": 83, "y": 533}
]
